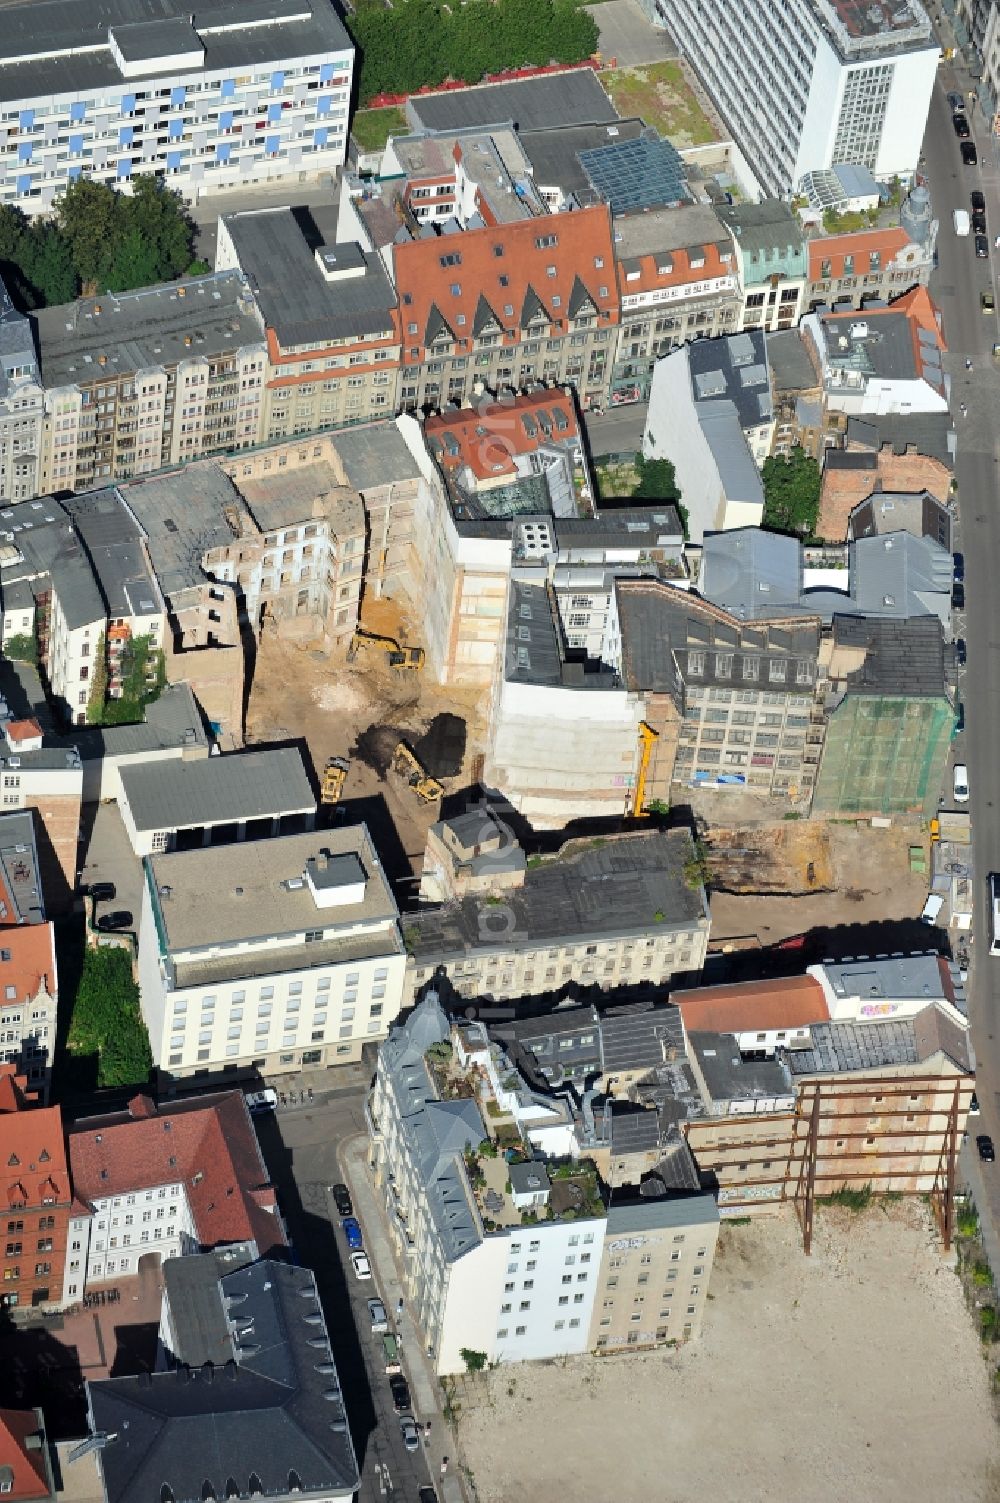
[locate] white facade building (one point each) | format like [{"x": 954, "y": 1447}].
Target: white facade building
[
  {"x": 805, "y": 84},
  {"x": 297, "y": 962},
  {"x": 215, "y": 100}
]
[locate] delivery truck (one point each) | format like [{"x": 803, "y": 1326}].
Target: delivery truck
[{"x": 960, "y": 219}]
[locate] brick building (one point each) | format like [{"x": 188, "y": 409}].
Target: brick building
[
  {"x": 37, "y": 1197},
  {"x": 849, "y": 270},
  {"x": 850, "y": 476}
]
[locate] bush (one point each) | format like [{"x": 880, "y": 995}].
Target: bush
[
  {"x": 21, "y": 648},
  {"x": 474, "y": 1361},
  {"x": 854, "y": 1200},
  {"x": 982, "y": 1274},
  {"x": 143, "y": 676},
  {"x": 791, "y": 493},
  {"x": 107, "y": 1019}
]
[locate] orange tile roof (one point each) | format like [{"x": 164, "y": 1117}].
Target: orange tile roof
[
  {"x": 29, "y": 1476},
  {"x": 32, "y": 1151},
  {"x": 681, "y": 272},
  {"x": 27, "y": 963},
  {"x": 23, "y": 730},
  {"x": 208, "y": 1142},
  {"x": 755, "y": 1006},
  {"x": 833, "y": 248},
  {"x": 488, "y": 437},
  {"x": 500, "y": 276}
]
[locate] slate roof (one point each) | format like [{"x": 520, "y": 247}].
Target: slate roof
[
  {"x": 930, "y": 433},
  {"x": 901, "y": 657},
  {"x": 198, "y": 1323},
  {"x": 114, "y": 546},
  {"x": 179, "y": 794},
  {"x": 573, "y": 97},
  {"x": 21, "y": 898},
  {"x": 207, "y": 1141},
  {"x": 733, "y": 367},
  {"x": 271, "y": 1421},
  {"x": 534, "y": 649}
]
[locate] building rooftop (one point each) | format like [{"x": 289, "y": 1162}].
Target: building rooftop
[
  {"x": 534, "y": 650},
  {"x": 172, "y": 720},
  {"x": 857, "y": 253},
  {"x": 639, "y": 1038},
  {"x": 271, "y": 1421},
  {"x": 27, "y": 963},
  {"x": 487, "y": 439},
  {"x": 729, "y": 1077},
  {"x": 634, "y": 176},
  {"x": 574, "y": 97},
  {"x": 554, "y": 152},
  {"x": 266, "y": 893},
  {"x": 309, "y": 490},
  {"x": 764, "y": 230},
  {"x": 49, "y": 48},
  {"x": 896, "y": 574},
  {"x": 861, "y": 29},
  {"x": 733, "y": 367},
  {"x": 38, "y": 544},
  {"x": 114, "y": 546},
  {"x": 21, "y": 897},
  {"x": 901, "y": 341},
  {"x": 245, "y": 785},
  {"x": 375, "y": 454},
  {"x": 96, "y": 338},
  {"x": 621, "y": 887},
  {"x": 184, "y": 515},
  {"x": 640, "y": 1216},
  {"x": 904, "y": 658},
  {"x": 890, "y": 977},
  {"x": 679, "y": 227},
  {"x": 198, "y": 1319},
  {"x": 780, "y": 1004},
  {"x": 791, "y": 364},
  {"x": 928, "y": 433},
  {"x": 303, "y": 304},
  {"x": 25, "y": 1469},
  {"x": 838, "y": 1048},
  {"x": 206, "y": 1142},
  {"x": 739, "y": 477},
  {"x": 751, "y": 572},
  {"x": 33, "y": 1145}
]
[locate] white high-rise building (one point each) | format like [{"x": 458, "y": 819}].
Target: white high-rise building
[{"x": 803, "y": 84}]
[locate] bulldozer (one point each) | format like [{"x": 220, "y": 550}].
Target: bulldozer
[
  {"x": 397, "y": 654},
  {"x": 407, "y": 767},
  {"x": 334, "y": 777}
]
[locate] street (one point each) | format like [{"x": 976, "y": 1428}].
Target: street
[
  {"x": 302, "y": 1148},
  {"x": 957, "y": 287}
]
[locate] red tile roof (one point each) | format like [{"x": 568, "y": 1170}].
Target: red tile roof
[
  {"x": 28, "y": 1472},
  {"x": 27, "y": 963},
  {"x": 207, "y": 1142},
  {"x": 675, "y": 268},
  {"x": 488, "y": 437},
  {"x": 888, "y": 244},
  {"x": 754, "y": 1006},
  {"x": 503, "y": 284},
  {"x": 32, "y": 1151}
]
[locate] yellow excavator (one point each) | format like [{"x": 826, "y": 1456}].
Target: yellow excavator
[
  {"x": 408, "y": 768},
  {"x": 332, "y": 783},
  {"x": 397, "y": 654}
]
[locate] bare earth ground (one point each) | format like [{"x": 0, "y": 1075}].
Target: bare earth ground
[{"x": 852, "y": 1376}]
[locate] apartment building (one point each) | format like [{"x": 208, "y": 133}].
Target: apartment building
[
  {"x": 617, "y": 915},
  {"x": 135, "y": 381},
  {"x": 30, "y": 993},
  {"x": 813, "y": 82},
  {"x": 38, "y": 1198},
  {"x": 865, "y": 266},
  {"x": 21, "y": 404},
  {"x": 209, "y": 103},
  {"x": 276, "y": 1421},
  {"x": 481, "y": 1271},
  {"x": 770, "y": 262},
  {"x": 43, "y": 775},
  {"x": 677, "y": 278},
  {"x": 300, "y": 966},
  {"x": 331, "y": 320},
  {"x": 157, "y": 1182},
  {"x": 655, "y": 1270},
  {"x": 874, "y": 468},
  {"x": 745, "y": 691}
]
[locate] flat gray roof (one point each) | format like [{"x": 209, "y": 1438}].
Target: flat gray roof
[
  {"x": 261, "y": 891},
  {"x": 904, "y": 658},
  {"x": 572, "y": 98},
  {"x": 588, "y": 891},
  {"x": 114, "y": 546},
  {"x": 554, "y": 152},
  {"x": 729, "y": 1077},
  {"x": 295, "y": 298},
  {"x": 160, "y": 325},
  {"x": 674, "y": 228},
  {"x": 723, "y": 431},
  {"x": 375, "y": 454},
  {"x": 20, "y": 875},
  {"x": 889, "y": 977},
  {"x": 172, "y": 720},
  {"x": 42, "y": 533},
  {"x": 179, "y": 795},
  {"x": 791, "y": 366},
  {"x": 647, "y": 1215},
  {"x": 184, "y": 515}
]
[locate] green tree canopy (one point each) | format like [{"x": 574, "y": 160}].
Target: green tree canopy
[
  {"x": 107, "y": 1019},
  {"x": 657, "y": 480},
  {"x": 791, "y": 493}
]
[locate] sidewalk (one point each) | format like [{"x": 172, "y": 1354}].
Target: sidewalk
[{"x": 424, "y": 1385}]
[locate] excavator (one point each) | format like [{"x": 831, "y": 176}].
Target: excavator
[
  {"x": 408, "y": 768},
  {"x": 397, "y": 654},
  {"x": 332, "y": 783}
]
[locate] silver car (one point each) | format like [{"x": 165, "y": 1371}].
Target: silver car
[
  {"x": 411, "y": 1436},
  {"x": 379, "y": 1319}
]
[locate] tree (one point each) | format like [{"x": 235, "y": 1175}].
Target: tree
[
  {"x": 107, "y": 1019},
  {"x": 87, "y": 216},
  {"x": 135, "y": 263},
  {"x": 98, "y": 682},
  {"x": 47, "y": 264},
  {"x": 21, "y": 648},
  {"x": 657, "y": 480},
  {"x": 159, "y": 216},
  {"x": 791, "y": 493}
]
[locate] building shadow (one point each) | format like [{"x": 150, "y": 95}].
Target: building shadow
[{"x": 36, "y": 1369}]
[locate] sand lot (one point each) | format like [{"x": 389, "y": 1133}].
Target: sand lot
[{"x": 853, "y": 1376}]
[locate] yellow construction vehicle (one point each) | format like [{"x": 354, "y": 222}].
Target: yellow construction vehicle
[
  {"x": 334, "y": 777},
  {"x": 397, "y": 654},
  {"x": 647, "y": 736},
  {"x": 407, "y": 767}
]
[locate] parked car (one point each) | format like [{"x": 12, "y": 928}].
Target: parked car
[
  {"x": 101, "y": 892},
  {"x": 978, "y": 201},
  {"x": 960, "y": 651},
  {"x": 960, "y": 783},
  {"x": 426, "y": 1495},
  {"x": 400, "y": 1394},
  {"x": 982, "y": 247},
  {"x": 342, "y": 1200},
  {"x": 958, "y": 596},
  {"x": 956, "y": 102},
  {"x": 987, "y": 302},
  {"x": 352, "y": 1231},
  {"x": 960, "y": 126},
  {"x": 958, "y": 565},
  {"x": 361, "y": 1265},
  {"x": 979, "y": 222},
  {"x": 411, "y": 1436},
  {"x": 986, "y": 1150},
  {"x": 970, "y": 155},
  {"x": 959, "y": 718},
  {"x": 379, "y": 1319},
  {"x": 109, "y": 922}
]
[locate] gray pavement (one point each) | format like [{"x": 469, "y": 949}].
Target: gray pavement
[
  {"x": 627, "y": 36},
  {"x": 616, "y": 432},
  {"x": 109, "y": 858}
]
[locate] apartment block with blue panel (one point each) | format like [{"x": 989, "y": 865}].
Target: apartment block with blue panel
[{"x": 248, "y": 94}]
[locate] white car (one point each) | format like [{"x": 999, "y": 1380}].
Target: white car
[
  {"x": 960, "y": 783},
  {"x": 362, "y": 1267},
  {"x": 379, "y": 1319}
]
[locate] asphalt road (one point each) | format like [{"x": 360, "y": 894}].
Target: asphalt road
[
  {"x": 300, "y": 1148},
  {"x": 957, "y": 286}
]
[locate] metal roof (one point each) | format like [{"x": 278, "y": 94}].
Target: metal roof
[
  {"x": 179, "y": 795},
  {"x": 649, "y": 1215},
  {"x": 554, "y": 153}
]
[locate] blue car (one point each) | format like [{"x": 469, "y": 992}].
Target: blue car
[{"x": 352, "y": 1231}]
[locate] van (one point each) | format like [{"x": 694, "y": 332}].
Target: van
[
  {"x": 262, "y": 1101},
  {"x": 390, "y": 1351},
  {"x": 931, "y": 910},
  {"x": 960, "y": 219}
]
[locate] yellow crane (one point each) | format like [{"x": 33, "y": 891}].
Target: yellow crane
[{"x": 647, "y": 736}]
